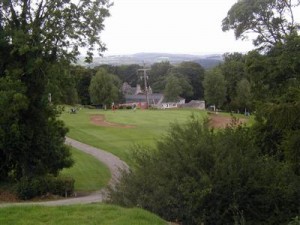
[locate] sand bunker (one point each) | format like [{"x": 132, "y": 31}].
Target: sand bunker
[
  {"x": 219, "y": 121},
  {"x": 99, "y": 120},
  {"x": 216, "y": 121}
]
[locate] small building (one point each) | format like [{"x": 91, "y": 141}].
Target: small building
[
  {"x": 170, "y": 105},
  {"x": 135, "y": 96},
  {"x": 195, "y": 104}
]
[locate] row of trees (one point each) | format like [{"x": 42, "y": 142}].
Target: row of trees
[
  {"x": 234, "y": 85},
  {"x": 76, "y": 84}
]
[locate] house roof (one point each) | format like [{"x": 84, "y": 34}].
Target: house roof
[{"x": 153, "y": 98}]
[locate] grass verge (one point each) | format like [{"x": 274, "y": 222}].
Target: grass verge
[
  {"x": 92, "y": 214},
  {"x": 89, "y": 174}
]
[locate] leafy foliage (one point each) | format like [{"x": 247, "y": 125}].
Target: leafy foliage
[
  {"x": 177, "y": 85},
  {"x": 195, "y": 175},
  {"x": 104, "y": 88},
  {"x": 39, "y": 186},
  {"x": 158, "y": 74},
  {"x": 234, "y": 70},
  {"x": 214, "y": 87},
  {"x": 271, "y": 20},
  {"x": 194, "y": 73},
  {"x": 36, "y": 39}
]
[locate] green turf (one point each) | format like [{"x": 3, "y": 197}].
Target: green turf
[
  {"x": 149, "y": 126},
  {"x": 88, "y": 172},
  {"x": 93, "y": 214}
]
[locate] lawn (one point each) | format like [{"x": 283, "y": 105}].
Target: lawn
[
  {"x": 148, "y": 125},
  {"x": 92, "y": 214},
  {"x": 88, "y": 172}
]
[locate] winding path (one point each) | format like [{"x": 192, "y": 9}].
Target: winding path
[{"x": 114, "y": 164}]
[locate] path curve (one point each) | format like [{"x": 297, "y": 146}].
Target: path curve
[{"x": 114, "y": 164}]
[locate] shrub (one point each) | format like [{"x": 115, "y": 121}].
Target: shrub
[
  {"x": 63, "y": 186},
  {"x": 29, "y": 188},
  {"x": 295, "y": 221},
  {"x": 196, "y": 175}
]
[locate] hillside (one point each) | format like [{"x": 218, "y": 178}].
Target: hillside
[{"x": 207, "y": 61}]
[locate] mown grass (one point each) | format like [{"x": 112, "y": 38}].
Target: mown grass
[
  {"x": 88, "y": 172},
  {"x": 149, "y": 125},
  {"x": 93, "y": 214}
]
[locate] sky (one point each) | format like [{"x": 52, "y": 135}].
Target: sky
[{"x": 170, "y": 26}]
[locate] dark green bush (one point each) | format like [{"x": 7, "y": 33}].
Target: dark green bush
[
  {"x": 196, "y": 175},
  {"x": 29, "y": 188},
  {"x": 63, "y": 186}
]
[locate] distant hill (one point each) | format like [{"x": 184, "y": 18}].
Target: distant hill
[{"x": 207, "y": 61}]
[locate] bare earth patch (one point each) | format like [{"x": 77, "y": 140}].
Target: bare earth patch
[
  {"x": 99, "y": 120},
  {"x": 219, "y": 121},
  {"x": 6, "y": 196}
]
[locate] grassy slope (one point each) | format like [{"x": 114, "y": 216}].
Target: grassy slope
[
  {"x": 88, "y": 172},
  {"x": 149, "y": 125},
  {"x": 80, "y": 215}
]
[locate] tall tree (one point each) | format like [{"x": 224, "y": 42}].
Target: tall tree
[
  {"x": 272, "y": 20},
  {"x": 173, "y": 89},
  {"x": 104, "y": 88},
  {"x": 158, "y": 74},
  {"x": 82, "y": 77},
  {"x": 195, "y": 76},
  {"x": 61, "y": 84},
  {"x": 34, "y": 35},
  {"x": 127, "y": 73},
  {"x": 273, "y": 73},
  {"x": 243, "y": 95},
  {"x": 214, "y": 88},
  {"x": 177, "y": 86},
  {"x": 234, "y": 70}
]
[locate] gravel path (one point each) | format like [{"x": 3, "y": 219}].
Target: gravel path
[{"x": 114, "y": 164}]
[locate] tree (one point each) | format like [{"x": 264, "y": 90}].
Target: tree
[
  {"x": 173, "y": 89},
  {"x": 243, "y": 94},
  {"x": 35, "y": 35},
  {"x": 127, "y": 73},
  {"x": 214, "y": 88},
  {"x": 82, "y": 77},
  {"x": 195, "y": 76},
  {"x": 272, "y": 21},
  {"x": 177, "y": 85},
  {"x": 277, "y": 127},
  {"x": 273, "y": 73},
  {"x": 234, "y": 70},
  {"x": 158, "y": 74},
  {"x": 104, "y": 88},
  {"x": 61, "y": 84}
]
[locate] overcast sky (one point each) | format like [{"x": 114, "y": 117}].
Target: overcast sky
[{"x": 170, "y": 26}]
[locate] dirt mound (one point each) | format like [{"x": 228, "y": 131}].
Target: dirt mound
[
  {"x": 219, "y": 121},
  {"x": 99, "y": 120}
]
